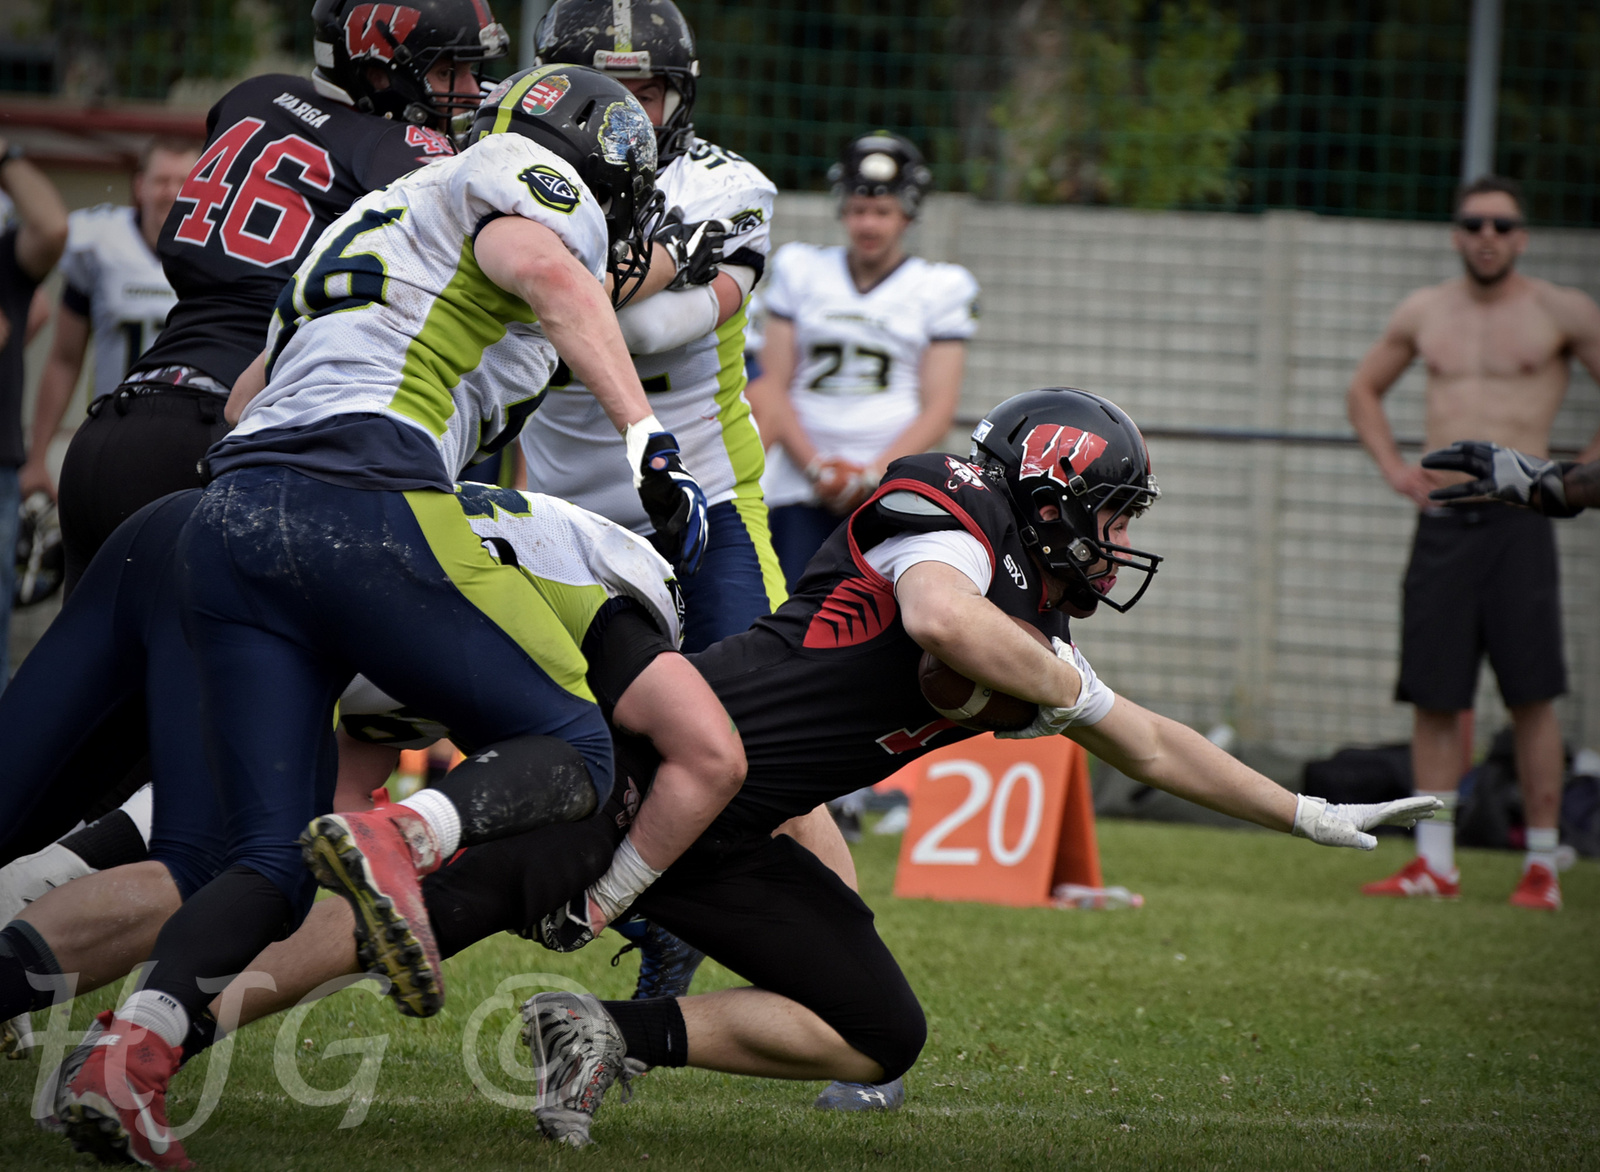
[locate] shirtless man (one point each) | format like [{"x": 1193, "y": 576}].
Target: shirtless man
[{"x": 1497, "y": 345}]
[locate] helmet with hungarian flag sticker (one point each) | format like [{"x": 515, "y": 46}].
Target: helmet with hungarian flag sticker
[
  {"x": 599, "y": 129},
  {"x": 1073, "y": 464}
]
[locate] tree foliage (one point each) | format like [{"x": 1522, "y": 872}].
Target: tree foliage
[{"x": 1104, "y": 107}]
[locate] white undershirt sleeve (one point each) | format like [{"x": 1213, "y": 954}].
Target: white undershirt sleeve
[{"x": 953, "y": 547}]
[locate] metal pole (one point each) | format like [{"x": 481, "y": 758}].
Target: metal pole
[
  {"x": 1483, "y": 88},
  {"x": 533, "y": 11}
]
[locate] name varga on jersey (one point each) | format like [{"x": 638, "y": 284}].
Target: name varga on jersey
[{"x": 301, "y": 109}]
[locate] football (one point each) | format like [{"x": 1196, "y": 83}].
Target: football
[{"x": 970, "y": 704}]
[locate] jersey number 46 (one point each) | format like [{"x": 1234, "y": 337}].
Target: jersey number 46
[{"x": 264, "y": 222}]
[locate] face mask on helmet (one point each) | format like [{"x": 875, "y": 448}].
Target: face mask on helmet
[
  {"x": 1077, "y": 470},
  {"x": 882, "y": 164},
  {"x": 629, "y": 39},
  {"x": 598, "y": 128},
  {"x": 405, "y": 42}
]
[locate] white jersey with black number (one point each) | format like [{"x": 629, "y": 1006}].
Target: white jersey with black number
[
  {"x": 696, "y": 390},
  {"x": 391, "y": 313},
  {"x": 858, "y": 355},
  {"x": 576, "y": 559},
  {"x": 114, "y": 280}
]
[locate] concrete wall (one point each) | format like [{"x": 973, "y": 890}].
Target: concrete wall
[{"x": 1278, "y": 606}]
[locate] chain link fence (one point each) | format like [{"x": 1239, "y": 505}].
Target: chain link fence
[{"x": 1348, "y": 107}]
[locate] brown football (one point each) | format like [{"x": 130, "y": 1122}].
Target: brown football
[{"x": 970, "y": 704}]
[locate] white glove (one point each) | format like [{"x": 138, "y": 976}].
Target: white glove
[
  {"x": 1094, "y": 701},
  {"x": 1329, "y": 825}
]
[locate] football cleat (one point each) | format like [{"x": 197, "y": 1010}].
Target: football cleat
[
  {"x": 577, "y": 1054},
  {"x": 375, "y": 860},
  {"x": 1417, "y": 880},
  {"x": 862, "y": 1096},
  {"x": 666, "y": 964},
  {"x": 47, "y": 1104},
  {"x": 16, "y": 1036},
  {"x": 115, "y": 1106},
  {"x": 1539, "y": 889}
]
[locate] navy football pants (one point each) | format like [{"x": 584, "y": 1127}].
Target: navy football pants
[{"x": 291, "y": 585}]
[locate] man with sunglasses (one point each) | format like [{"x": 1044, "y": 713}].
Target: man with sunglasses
[{"x": 1481, "y": 578}]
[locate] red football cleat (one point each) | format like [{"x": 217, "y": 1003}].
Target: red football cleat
[
  {"x": 1538, "y": 889},
  {"x": 376, "y": 861},
  {"x": 1416, "y": 880},
  {"x": 115, "y": 1106}
]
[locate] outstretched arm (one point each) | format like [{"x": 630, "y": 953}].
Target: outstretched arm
[{"x": 56, "y": 384}]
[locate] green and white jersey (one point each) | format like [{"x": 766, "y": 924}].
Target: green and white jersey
[
  {"x": 575, "y": 560},
  {"x": 696, "y": 390},
  {"x": 392, "y": 316}
]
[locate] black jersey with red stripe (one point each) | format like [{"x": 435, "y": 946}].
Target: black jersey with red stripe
[
  {"x": 282, "y": 161},
  {"x": 824, "y": 692}
]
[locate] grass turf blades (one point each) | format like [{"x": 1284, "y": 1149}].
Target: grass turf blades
[{"x": 1257, "y": 1013}]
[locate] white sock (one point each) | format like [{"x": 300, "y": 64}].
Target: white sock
[
  {"x": 1436, "y": 836},
  {"x": 1542, "y": 845},
  {"x": 157, "y": 1012},
  {"x": 439, "y": 812}
]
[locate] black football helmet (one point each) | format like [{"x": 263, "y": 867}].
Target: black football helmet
[
  {"x": 632, "y": 39},
  {"x": 41, "y": 558},
  {"x": 596, "y": 126},
  {"x": 1081, "y": 454},
  {"x": 881, "y": 163},
  {"x": 405, "y": 41}
]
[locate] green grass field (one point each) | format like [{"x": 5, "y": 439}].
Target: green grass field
[{"x": 1256, "y": 1013}]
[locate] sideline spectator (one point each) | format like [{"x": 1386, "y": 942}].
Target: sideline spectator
[
  {"x": 863, "y": 352},
  {"x": 1498, "y": 347},
  {"x": 115, "y": 289},
  {"x": 29, "y": 249}
]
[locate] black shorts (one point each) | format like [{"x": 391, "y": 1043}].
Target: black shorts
[
  {"x": 131, "y": 450},
  {"x": 769, "y": 910},
  {"x": 1481, "y": 580}
]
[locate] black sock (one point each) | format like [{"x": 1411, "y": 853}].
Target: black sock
[
  {"x": 518, "y": 785},
  {"x": 215, "y": 934},
  {"x": 653, "y": 1030},
  {"x": 201, "y": 1037},
  {"x": 114, "y": 841},
  {"x": 24, "y": 951}
]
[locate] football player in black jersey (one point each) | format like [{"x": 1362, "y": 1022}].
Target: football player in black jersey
[
  {"x": 284, "y": 157},
  {"x": 825, "y": 696}
]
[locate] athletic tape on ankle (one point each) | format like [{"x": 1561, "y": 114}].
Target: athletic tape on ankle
[
  {"x": 440, "y": 813},
  {"x": 624, "y": 881}
]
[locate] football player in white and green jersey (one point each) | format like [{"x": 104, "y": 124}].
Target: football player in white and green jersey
[
  {"x": 420, "y": 330},
  {"x": 686, "y": 333}
]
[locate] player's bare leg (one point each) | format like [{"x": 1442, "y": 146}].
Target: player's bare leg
[
  {"x": 322, "y": 949},
  {"x": 1436, "y": 768},
  {"x": 820, "y": 834},
  {"x": 1537, "y": 736},
  {"x": 751, "y": 1031},
  {"x": 102, "y": 925}
]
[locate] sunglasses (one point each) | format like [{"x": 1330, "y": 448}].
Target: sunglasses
[{"x": 1503, "y": 225}]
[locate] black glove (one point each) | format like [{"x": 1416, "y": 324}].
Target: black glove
[
  {"x": 571, "y": 926},
  {"x": 1503, "y": 474},
  {"x": 674, "y": 502},
  {"x": 696, "y": 249}
]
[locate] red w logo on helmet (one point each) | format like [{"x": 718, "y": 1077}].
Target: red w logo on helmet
[
  {"x": 1050, "y": 445},
  {"x": 373, "y": 30}
]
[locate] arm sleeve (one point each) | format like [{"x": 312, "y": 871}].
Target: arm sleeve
[
  {"x": 956, "y": 548},
  {"x": 669, "y": 319},
  {"x": 621, "y": 642},
  {"x": 955, "y": 315}
]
